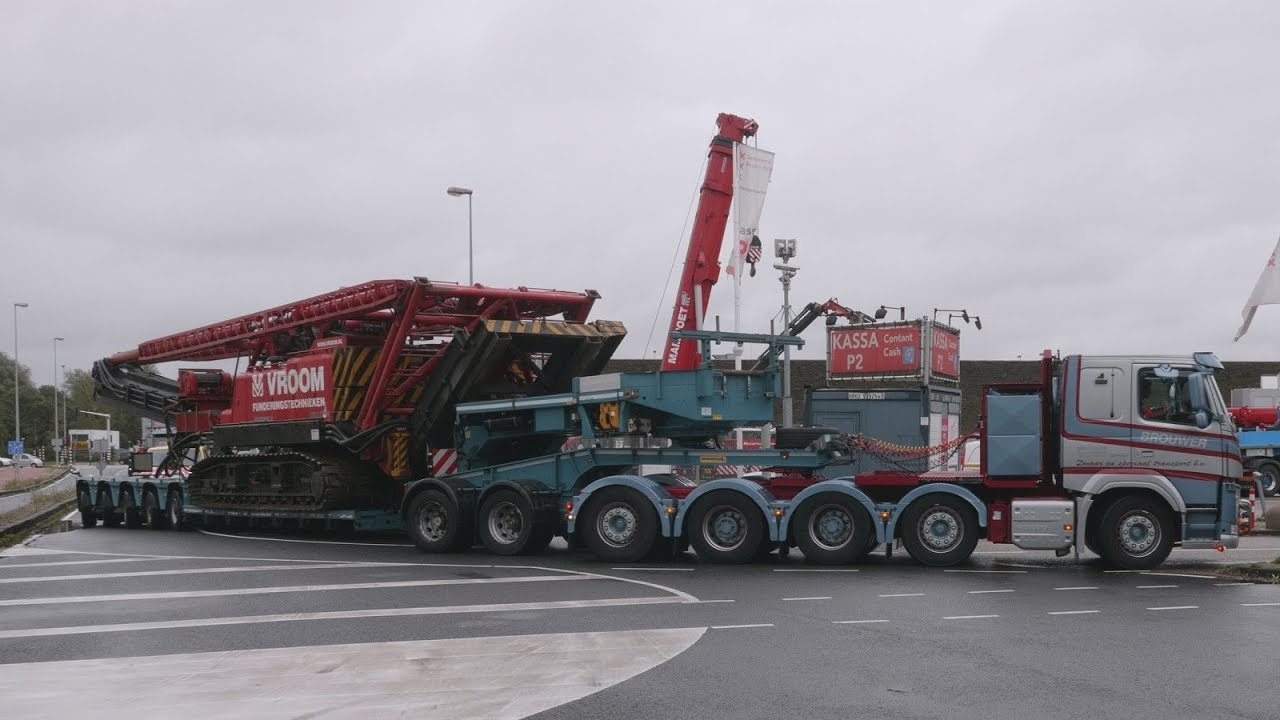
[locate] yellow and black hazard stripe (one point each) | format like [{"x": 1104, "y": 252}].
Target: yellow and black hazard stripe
[
  {"x": 598, "y": 328},
  {"x": 397, "y": 455},
  {"x": 352, "y": 372}
]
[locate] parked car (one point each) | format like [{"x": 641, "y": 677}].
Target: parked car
[
  {"x": 28, "y": 460},
  {"x": 5, "y": 462}
]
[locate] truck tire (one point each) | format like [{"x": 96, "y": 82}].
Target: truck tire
[
  {"x": 107, "y": 511},
  {"x": 940, "y": 529},
  {"x": 1269, "y": 472},
  {"x": 435, "y": 523},
  {"x": 88, "y": 518},
  {"x": 1136, "y": 533},
  {"x": 132, "y": 513},
  {"x": 173, "y": 509},
  {"x": 619, "y": 525},
  {"x": 832, "y": 529},
  {"x": 725, "y": 527},
  {"x": 151, "y": 510},
  {"x": 506, "y": 523}
]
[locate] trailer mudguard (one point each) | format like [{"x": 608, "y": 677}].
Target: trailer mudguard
[
  {"x": 758, "y": 495},
  {"x": 928, "y": 489},
  {"x": 844, "y": 486},
  {"x": 461, "y": 493},
  {"x": 652, "y": 491}
]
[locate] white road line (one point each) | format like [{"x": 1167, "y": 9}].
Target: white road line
[
  {"x": 653, "y": 569},
  {"x": 993, "y": 572},
  {"x": 1272, "y": 604},
  {"x": 901, "y": 595},
  {"x": 76, "y": 562},
  {"x": 738, "y": 627},
  {"x": 684, "y": 596},
  {"x": 1232, "y": 584},
  {"x": 1022, "y": 565},
  {"x": 1074, "y": 612},
  {"x": 986, "y": 592},
  {"x": 305, "y": 542},
  {"x": 857, "y": 622},
  {"x": 1176, "y": 607},
  {"x": 1154, "y": 587},
  {"x": 183, "y": 571},
  {"x": 1185, "y": 575},
  {"x": 286, "y": 589},
  {"x": 815, "y": 597},
  {"x": 338, "y": 615},
  {"x": 968, "y": 617},
  {"x": 353, "y": 563},
  {"x": 1078, "y": 587},
  {"x": 817, "y": 570},
  {"x": 703, "y": 602}
]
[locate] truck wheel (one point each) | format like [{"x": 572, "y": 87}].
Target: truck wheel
[
  {"x": 435, "y": 524},
  {"x": 725, "y": 527},
  {"x": 1136, "y": 533},
  {"x": 108, "y": 510},
  {"x": 173, "y": 509},
  {"x": 151, "y": 510},
  {"x": 832, "y": 529},
  {"x": 619, "y": 525},
  {"x": 132, "y": 513},
  {"x": 940, "y": 530},
  {"x": 1269, "y": 472},
  {"x": 506, "y": 522},
  {"x": 88, "y": 518}
]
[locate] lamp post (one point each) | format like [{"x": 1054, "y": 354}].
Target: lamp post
[
  {"x": 961, "y": 313},
  {"x": 55, "y": 389},
  {"x": 471, "y": 266},
  {"x": 785, "y": 250},
  {"x": 17, "y": 412},
  {"x": 884, "y": 310}
]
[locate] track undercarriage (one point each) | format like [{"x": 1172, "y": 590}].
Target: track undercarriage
[{"x": 287, "y": 480}]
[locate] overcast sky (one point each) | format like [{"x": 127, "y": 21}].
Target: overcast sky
[{"x": 1087, "y": 176}]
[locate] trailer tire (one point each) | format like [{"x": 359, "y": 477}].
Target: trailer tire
[
  {"x": 1136, "y": 533},
  {"x": 132, "y": 513},
  {"x": 940, "y": 529},
  {"x": 173, "y": 509},
  {"x": 88, "y": 518},
  {"x": 726, "y": 527},
  {"x": 506, "y": 523},
  {"x": 1269, "y": 472},
  {"x": 620, "y": 526},
  {"x": 108, "y": 512},
  {"x": 435, "y": 523},
  {"x": 833, "y": 529},
  {"x": 151, "y": 510}
]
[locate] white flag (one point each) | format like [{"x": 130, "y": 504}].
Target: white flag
[
  {"x": 1266, "y": 292},
  {"x": 751, "y": 170}
]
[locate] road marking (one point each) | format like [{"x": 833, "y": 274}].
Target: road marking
[
  {"x": 76, "y": 562},
  {"x": 1273, "y": 604},
  {"x": 339, "y": 615},
  {"x": 857, "y": 622},
  {"x": 497, "y": 678},
  {"x": 1154, "y": 587},
  {"x": 985, "y": 592},
  {"x": 1023, "y": 565},
  {"x": 994, "y": 572},
  {"x": 739, "y": 627},
  {"x": 183, "y": 571},
  {"x": 968, "y": 617},
  {"x": 1074, "y": 612},
  {"x": 1185, "y": 575},
  {"x": 1176, "y": 607},
  {"x": 817, "y": 570},
  {"x": 1078, "y": 587},
  {"x": 653, "y": 569},
  {"x": 353, "y": 563},
  {"x": 815, "y": 597},
  {"x": 1232, "y": 584},
  {"x": 286, "y": 589},
  {"x": 684, "y": 596},
  {"x": 305, "y": 542},
  {"x": 703, "y": 602},
  {"x": 902, "y": 595}
]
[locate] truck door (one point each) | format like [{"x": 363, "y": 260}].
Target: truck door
[{"x": 1165, "y": 438}]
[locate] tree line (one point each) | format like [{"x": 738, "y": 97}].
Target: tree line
[{"x": 37, "y": 409}]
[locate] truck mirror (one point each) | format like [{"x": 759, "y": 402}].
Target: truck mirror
[
  {"x": 1199, "y": 393},
  {"x": 1202, "y": 419}
]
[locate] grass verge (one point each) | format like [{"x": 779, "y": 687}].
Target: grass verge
[
  {"x": 1262, "y": 572},
  {"x": 42, "y": 502}
]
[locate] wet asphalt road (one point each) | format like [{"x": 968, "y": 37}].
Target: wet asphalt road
[{"x": 1010, "y": 635}]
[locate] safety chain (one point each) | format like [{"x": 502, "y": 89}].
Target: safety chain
[{"x": 895, "y": 454}]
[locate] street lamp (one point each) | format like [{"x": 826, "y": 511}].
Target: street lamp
[
  {"x": 471, "y": 265},
  {"x": 55, "y": 390},
  {"x": 17, "y": 412},
  {"x": 884, "y": 310},
  {"x": 958, "y": 313},
  {"x": 785, "y": 249}
]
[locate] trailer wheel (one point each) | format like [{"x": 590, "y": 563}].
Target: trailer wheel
[
  {"x": 173, "y": 509},
  {"x": 435, "y": 523},
  {"x": 151, "y": 510},
  {"x": 506, "y": 522},
  {"x": 726, "y": 527},
  {"x": 832, "y": 529},
  {"x": 108, "y": 510},
  {"x": 620, "y": 525},
  {"x": 940, "y": 529},
  {"x": 132, "y": 513},
  {"x": 1269, "y": 472},
  {"x": 88, "y": 518},
  {"x": 1136, "y": 533}
]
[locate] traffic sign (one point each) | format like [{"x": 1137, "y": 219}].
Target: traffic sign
[
  {"x": 57, "y": 443},
  {"x": 15, "y": 448}
]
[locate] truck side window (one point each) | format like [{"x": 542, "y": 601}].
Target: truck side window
[{"x": 1164, "y": 399}]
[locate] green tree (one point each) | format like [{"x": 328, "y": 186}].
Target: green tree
[{"x": 37, "y": 408}]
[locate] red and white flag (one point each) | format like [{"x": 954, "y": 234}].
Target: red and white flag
[
  {"x": 752, "y": 169},
  {"x": 1266, "y": 292}
]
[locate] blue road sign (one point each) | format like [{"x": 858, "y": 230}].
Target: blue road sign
[{"x": 15, "y": 447}]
